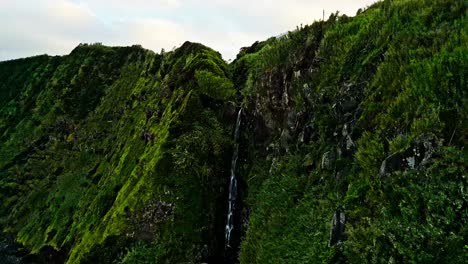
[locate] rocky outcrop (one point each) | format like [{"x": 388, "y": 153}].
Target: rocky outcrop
[{"x": 416, "y": 156}]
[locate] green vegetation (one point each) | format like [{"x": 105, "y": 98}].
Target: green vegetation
[
  {"x": 365, "y": 88},
  {"x": 107, "y": 147},
  {"x": 122, "y": 155}
]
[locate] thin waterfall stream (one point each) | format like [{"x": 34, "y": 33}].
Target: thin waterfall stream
[{"x": 233, "y": 183}]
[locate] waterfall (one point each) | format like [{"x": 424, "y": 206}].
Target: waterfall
[{"x": 233, "y": 183}]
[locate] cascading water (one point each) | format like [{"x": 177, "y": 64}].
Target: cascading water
[{"x": 233, "y": 183}]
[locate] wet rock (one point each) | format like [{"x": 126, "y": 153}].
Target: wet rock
[
  {"x": 337, "y": 227},
  {"x": 328, "y": 160},
  {"x": 417, "y": 155}
]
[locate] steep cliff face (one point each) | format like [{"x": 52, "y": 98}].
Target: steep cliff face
[
  {"x": 359, "y": 126},
  {"x": 111, "y": 148},
  {"x": 351, "y": 147}
]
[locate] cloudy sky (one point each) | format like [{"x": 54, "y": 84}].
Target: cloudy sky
[{"x": 55, "y": 27}]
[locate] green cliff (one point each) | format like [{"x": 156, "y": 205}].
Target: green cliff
[{"x": 352, "y": 147}]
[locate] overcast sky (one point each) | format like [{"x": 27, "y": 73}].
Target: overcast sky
[{"x": 55, "y": 27}]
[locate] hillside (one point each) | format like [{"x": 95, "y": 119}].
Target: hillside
[{"x": 350, "y": 147}]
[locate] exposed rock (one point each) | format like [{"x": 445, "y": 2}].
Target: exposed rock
[
  {"x": 307, "y": 93},
  {"x": 308, "y": 134},
  {"x": 328, "y": 160},
  {"x": 428, "y": 144},
  {"x": 286, "y": 95},
  {"x": 349, "y": 141},
  {"x": 285, "y": 138},
  {"x": 301, "y": 120},
  {"x": 291, "y": 120},
  {"x": 261, "y": 132},
  {"x": 392, "y": 163},
  {"x": 274, "y": 160},
  {"x": 417, "y": 155},
  {"x": 300, "y": 138},
  {"x": 337, "y": 227},
  {"x": 297, "y": 74}
]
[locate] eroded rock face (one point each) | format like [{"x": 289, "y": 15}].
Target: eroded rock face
[
  {"x": 337, "y": 227},
  {"x": 417, "y": 155}
]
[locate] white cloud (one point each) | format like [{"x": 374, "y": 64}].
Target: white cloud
[
  {"x": 57, "y": 26},
  {"x": 150, "y": 33},
  {"x": 53, "y": 26}
]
